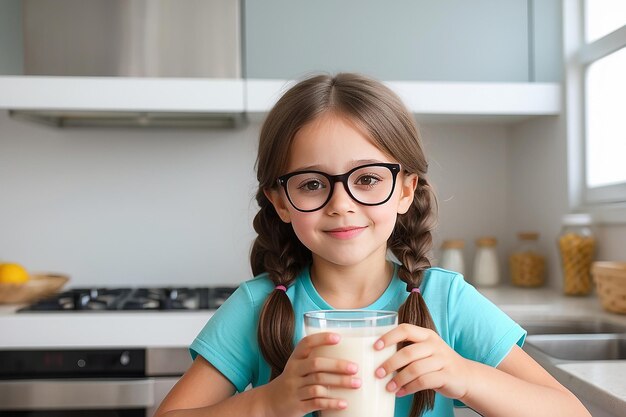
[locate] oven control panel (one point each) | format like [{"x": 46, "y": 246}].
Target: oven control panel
[{"x": 79, "y": 363}]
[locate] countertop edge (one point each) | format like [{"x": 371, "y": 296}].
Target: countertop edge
[
  {"x": 587, "y": 390},
  {"x": 177, "y": 329}
]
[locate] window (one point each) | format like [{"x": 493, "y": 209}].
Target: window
[
  {"x": 595, "y": 47},
  {"x": 603, "y": 17},
  {"x": 605, "y": 127}
]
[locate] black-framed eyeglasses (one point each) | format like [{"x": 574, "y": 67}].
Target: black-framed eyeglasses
[{"x": 369, "y": 185}]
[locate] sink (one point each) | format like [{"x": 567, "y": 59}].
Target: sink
[
  {"x": 571, "y": 326},
  {"x": 581, "y": 347},
  {"x": 567, "y": 340}
]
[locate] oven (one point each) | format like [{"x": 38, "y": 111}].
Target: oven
[
  {"x": 98, "y": 382},
  {"x": 88, "y": 382}
]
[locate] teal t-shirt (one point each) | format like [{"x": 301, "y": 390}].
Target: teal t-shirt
[{"x": 467, "y": 321}]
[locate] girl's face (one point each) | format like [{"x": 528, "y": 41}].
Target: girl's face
[{"x": 343, "y": 232}]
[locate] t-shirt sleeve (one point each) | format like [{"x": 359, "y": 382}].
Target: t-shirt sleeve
[
  {"x": 479, "y": 330},
  {"x": 228, "y": 340}
]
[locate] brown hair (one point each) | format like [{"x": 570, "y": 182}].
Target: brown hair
[{"x": 382, "y": 116}]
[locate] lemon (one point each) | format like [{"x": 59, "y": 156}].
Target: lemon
[{"x": 13, "y": 274}]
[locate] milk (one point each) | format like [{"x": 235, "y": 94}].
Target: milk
[{"x": 357, "y": 345}]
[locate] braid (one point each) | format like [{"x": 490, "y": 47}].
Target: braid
[
  {"x": 411, "y": 242},
  {"x": 278, "y": 252}
]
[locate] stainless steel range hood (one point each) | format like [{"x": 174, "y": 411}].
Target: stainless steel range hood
[
  {"x": 67, "y": 118},
  {"x": 131, "y": 63}
]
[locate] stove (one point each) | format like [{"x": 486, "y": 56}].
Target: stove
[{"x": 124, "y": 299}]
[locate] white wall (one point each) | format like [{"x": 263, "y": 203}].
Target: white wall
[
  {"x": 174, "y": 207},
  {"x": 468, "y": 167},
  {"x": 612, "y": 243},
  {"x": 538, "y": 192},
  {"x": 537, "y": 197},
  {"x": 120, "y": 207}
]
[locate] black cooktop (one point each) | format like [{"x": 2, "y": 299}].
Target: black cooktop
[{"x": 123, "y": 299}]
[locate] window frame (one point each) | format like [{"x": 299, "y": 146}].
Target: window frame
[{"x": 606, "y": 203}]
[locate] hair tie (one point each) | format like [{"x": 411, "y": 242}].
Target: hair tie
[
  {"x": 417, "y": 290},
  {"x": 281, "y": 287}
]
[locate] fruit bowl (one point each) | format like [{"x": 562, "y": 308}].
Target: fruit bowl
[{"x": 37, "y": 287}]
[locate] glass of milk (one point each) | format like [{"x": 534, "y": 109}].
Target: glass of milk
[{"x": 359, "y": 330}]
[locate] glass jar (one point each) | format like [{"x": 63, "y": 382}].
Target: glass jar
[
  {"x": 576, "y": 247},
  {"x": 486, "y": 270},
  {"x": 452, "y": 256},
  {"x": 526, "y": 262}
]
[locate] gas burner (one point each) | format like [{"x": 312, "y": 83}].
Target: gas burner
[
  {"x": 218, "y": 296},
  {"x": 114, "y": 299},
  {"x": 87, "y": 299}
]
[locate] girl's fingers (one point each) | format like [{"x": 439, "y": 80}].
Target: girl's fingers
[
  {"x": 318, "y": 395},
  {"x": 403, "y": 357},
  {"x": 332, "y": 380},
  {"x": 404, "y": 332},
  {"x": 307, "y": 344},
  {"x": 433, "y": 380},
  {"x": 311, "y": 392},
  {"x": 324, "y": 404},
  {"x": 321, "y": 364},
  {"x": 416, "y": 371}
]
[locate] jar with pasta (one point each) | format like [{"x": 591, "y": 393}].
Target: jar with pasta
[
  {"x": 576, "y": 247},
  {"x": 527, "y": 264}
]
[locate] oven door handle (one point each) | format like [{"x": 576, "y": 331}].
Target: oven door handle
[{"x": 76, "y": 394}]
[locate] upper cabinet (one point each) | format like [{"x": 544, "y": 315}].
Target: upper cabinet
[
  {"x": 488, "y": 60},
  {"x": 11, "y": 38},
  {"x": 454, "y": 59},
  {"x": 441, "y": 101},
  {"x": 423, "y": 40}
]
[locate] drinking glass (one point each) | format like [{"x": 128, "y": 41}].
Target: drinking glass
[{"x": 359, "y": 330}]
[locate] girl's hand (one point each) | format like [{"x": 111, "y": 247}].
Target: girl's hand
[
  {"x": 428, "y": 363},
  {"x": 303, "y": 386}
]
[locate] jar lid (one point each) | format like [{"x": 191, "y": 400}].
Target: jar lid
[
  {"x": 577, "y": 219},
  {"x": 528, "y": 235},
  {"x": 453, "y": 244},
  {"x": 486, "y": 241}
]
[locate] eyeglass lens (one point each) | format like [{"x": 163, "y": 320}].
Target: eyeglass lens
[{"x": 369, "y": 185}]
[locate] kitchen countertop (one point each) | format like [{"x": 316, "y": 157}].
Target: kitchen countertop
[
  {"x": 600, "y": 382},
  {"x": 99, "y": 329}
]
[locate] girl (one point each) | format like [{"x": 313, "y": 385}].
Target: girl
[{"x": 341, "y": 184}]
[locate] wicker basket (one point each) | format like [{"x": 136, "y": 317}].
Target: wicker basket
[
  {"x": 610, "y": 279},
  {"x": 38, "y": 286}
]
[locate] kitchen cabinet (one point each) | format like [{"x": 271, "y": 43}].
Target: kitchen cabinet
[
  {"x": 11, "y": 41},
  {"x": 473, "y": 64},
  {"x": 484, "y": 40},
  {"x": 442, "y": 101},
  {"x": 487, "y": 40},
  {"x": 429, "y": 100},
  {"x": 122, "y": 94}
]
